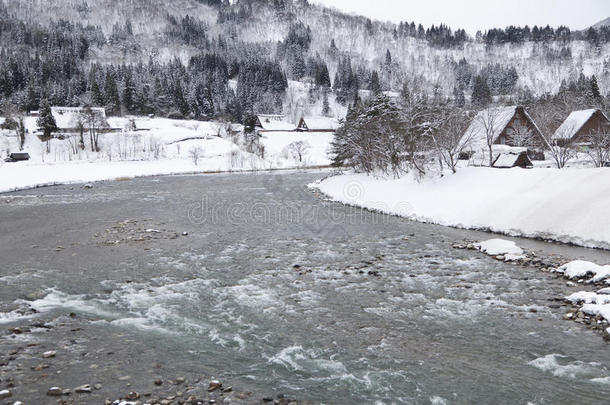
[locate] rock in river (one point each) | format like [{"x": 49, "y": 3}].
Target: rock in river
[{"x": 54, "y": 392}]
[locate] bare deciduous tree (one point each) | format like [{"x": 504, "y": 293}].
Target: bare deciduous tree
[
  {"x": 452, "y": 137},
  {"x": 298, "y": 149},
  {"x": 14, "y": 120},
  {"x": 549, "y": 117},
  {"x": 489, "y": 121},
  {"x": 521, "y": 135},
  {"x": 94, "y": 120},
  {"x": 196, "y": 153},
  {"x": 597, "y": 146}
]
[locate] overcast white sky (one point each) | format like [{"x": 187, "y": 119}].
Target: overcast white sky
[{"x": 474, "y": 15}]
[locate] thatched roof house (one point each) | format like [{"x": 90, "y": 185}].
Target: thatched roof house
[
  {"x": 318, "y": 124},
  {"x": 511, "y": 126},
  {"x": 581, "y": 124},
  {"x": 273, "y": 123}
]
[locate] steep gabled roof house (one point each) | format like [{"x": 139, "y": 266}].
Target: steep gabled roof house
[
  {"x": 67, "y": 118},
  {"x": 318, "y": 124},
  {"x": 580, "y": 124},
  {"x": 510, "y": 126},
  {"x": 273, "y": 123}
]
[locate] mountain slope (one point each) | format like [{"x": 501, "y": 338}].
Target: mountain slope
[{"x": 603, "y": 23}]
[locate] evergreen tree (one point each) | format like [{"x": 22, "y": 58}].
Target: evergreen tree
[
  {"x": 31, "y": 100},
  {"x": 481, "y": 95},
  {"x": 111, "y": 95},
  {"x": 46, "y": 121},
  {"x": 180, "y": 101},
  {"x": 129, "y": 94},
  {"x": 388, "y": 57},
  {"x": 325, "y": 104},
  {"x": 594, "y": 92},
  {"x": 458, "y": 97},
  {"x": 96, "y": 94},
  {"x": 375, "y": 86}
]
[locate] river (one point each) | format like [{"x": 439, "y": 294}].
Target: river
[{"x": 261, "y": 283}]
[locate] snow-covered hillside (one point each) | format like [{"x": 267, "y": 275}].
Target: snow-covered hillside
[{"x": 539, "y": 65}]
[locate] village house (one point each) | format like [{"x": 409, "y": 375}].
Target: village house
[
  {"x": 318, "y": 124},
  {"x": 273, "y": 123},
  {"x": 511, "y": 126},
  {"x": 67, "y": 119},
  {"x": 509, "y": 129},
  {"x": 580, "y": 125}
]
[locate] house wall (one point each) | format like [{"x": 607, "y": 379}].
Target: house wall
[{"x": 520, "y": 118}]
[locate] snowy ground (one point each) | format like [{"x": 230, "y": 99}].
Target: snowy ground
[
  {"x": 569, "y": 205},
  {"x": 158, "y": 146}
]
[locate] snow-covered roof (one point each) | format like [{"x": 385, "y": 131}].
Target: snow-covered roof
[
  {"x": 275, "y": 123},
  {"x": 507, "y": 160},
  {"x": 67, "y": 117},
  {"x": 321, "y": 123},
  {"x": 574, "y": 123},
  {"x": 494, "y": 119}
]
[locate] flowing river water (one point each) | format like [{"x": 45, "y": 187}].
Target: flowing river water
[{"x": 277, "y": 291}]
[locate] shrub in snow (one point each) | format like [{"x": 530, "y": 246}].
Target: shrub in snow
[{"x": 195, "y": 154}]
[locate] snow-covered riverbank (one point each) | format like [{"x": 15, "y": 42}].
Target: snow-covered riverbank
[
  {"x": 569, "y": 206},
  {"x": 159, "y": 147}
]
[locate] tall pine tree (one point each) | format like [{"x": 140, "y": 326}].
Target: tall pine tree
[
  {"x": 111, "y": 95},
  {"x": 481, "y": 95},
  {"x": 46, "y": 121}
]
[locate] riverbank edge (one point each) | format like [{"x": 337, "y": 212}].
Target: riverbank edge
[
  {"x": 177, "y": 173},
  {"x": 548, "y": 238}
]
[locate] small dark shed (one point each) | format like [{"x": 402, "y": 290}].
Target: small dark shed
[
  {"x": 18, "y": 156},
  {"x": 512, "y": 159}
]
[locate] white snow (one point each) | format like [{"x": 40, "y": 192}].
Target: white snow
[
  {"x": 316, "y": 154},
  {"x": 158, "y": 146},
  {"x": 494, "y": 247},
  {"x": 569, "y": 205},
  {"x": 581, "y": 268},
  {"x": 593, "y": 303}
]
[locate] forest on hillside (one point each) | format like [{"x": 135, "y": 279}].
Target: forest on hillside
[{"x": 203, "y": 63}]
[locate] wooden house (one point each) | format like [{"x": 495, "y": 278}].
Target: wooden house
[
  {"x": 511, "y": 126},
  {"x": 580, "y": 125},
  {"x": 317, "y": 124},
  {"x": 273, "y": 123}
]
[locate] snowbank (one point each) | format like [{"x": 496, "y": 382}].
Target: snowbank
[
  {"x": 19, "y": 176},
  {"x": 158, "y": 146},
  {"x": 568, "y": 205}
]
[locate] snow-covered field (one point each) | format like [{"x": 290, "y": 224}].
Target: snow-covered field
[
  {"x": 569, "y": 205},
  {"x": 317, "y": 148},
  {"x": 157, "y": 146}
]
